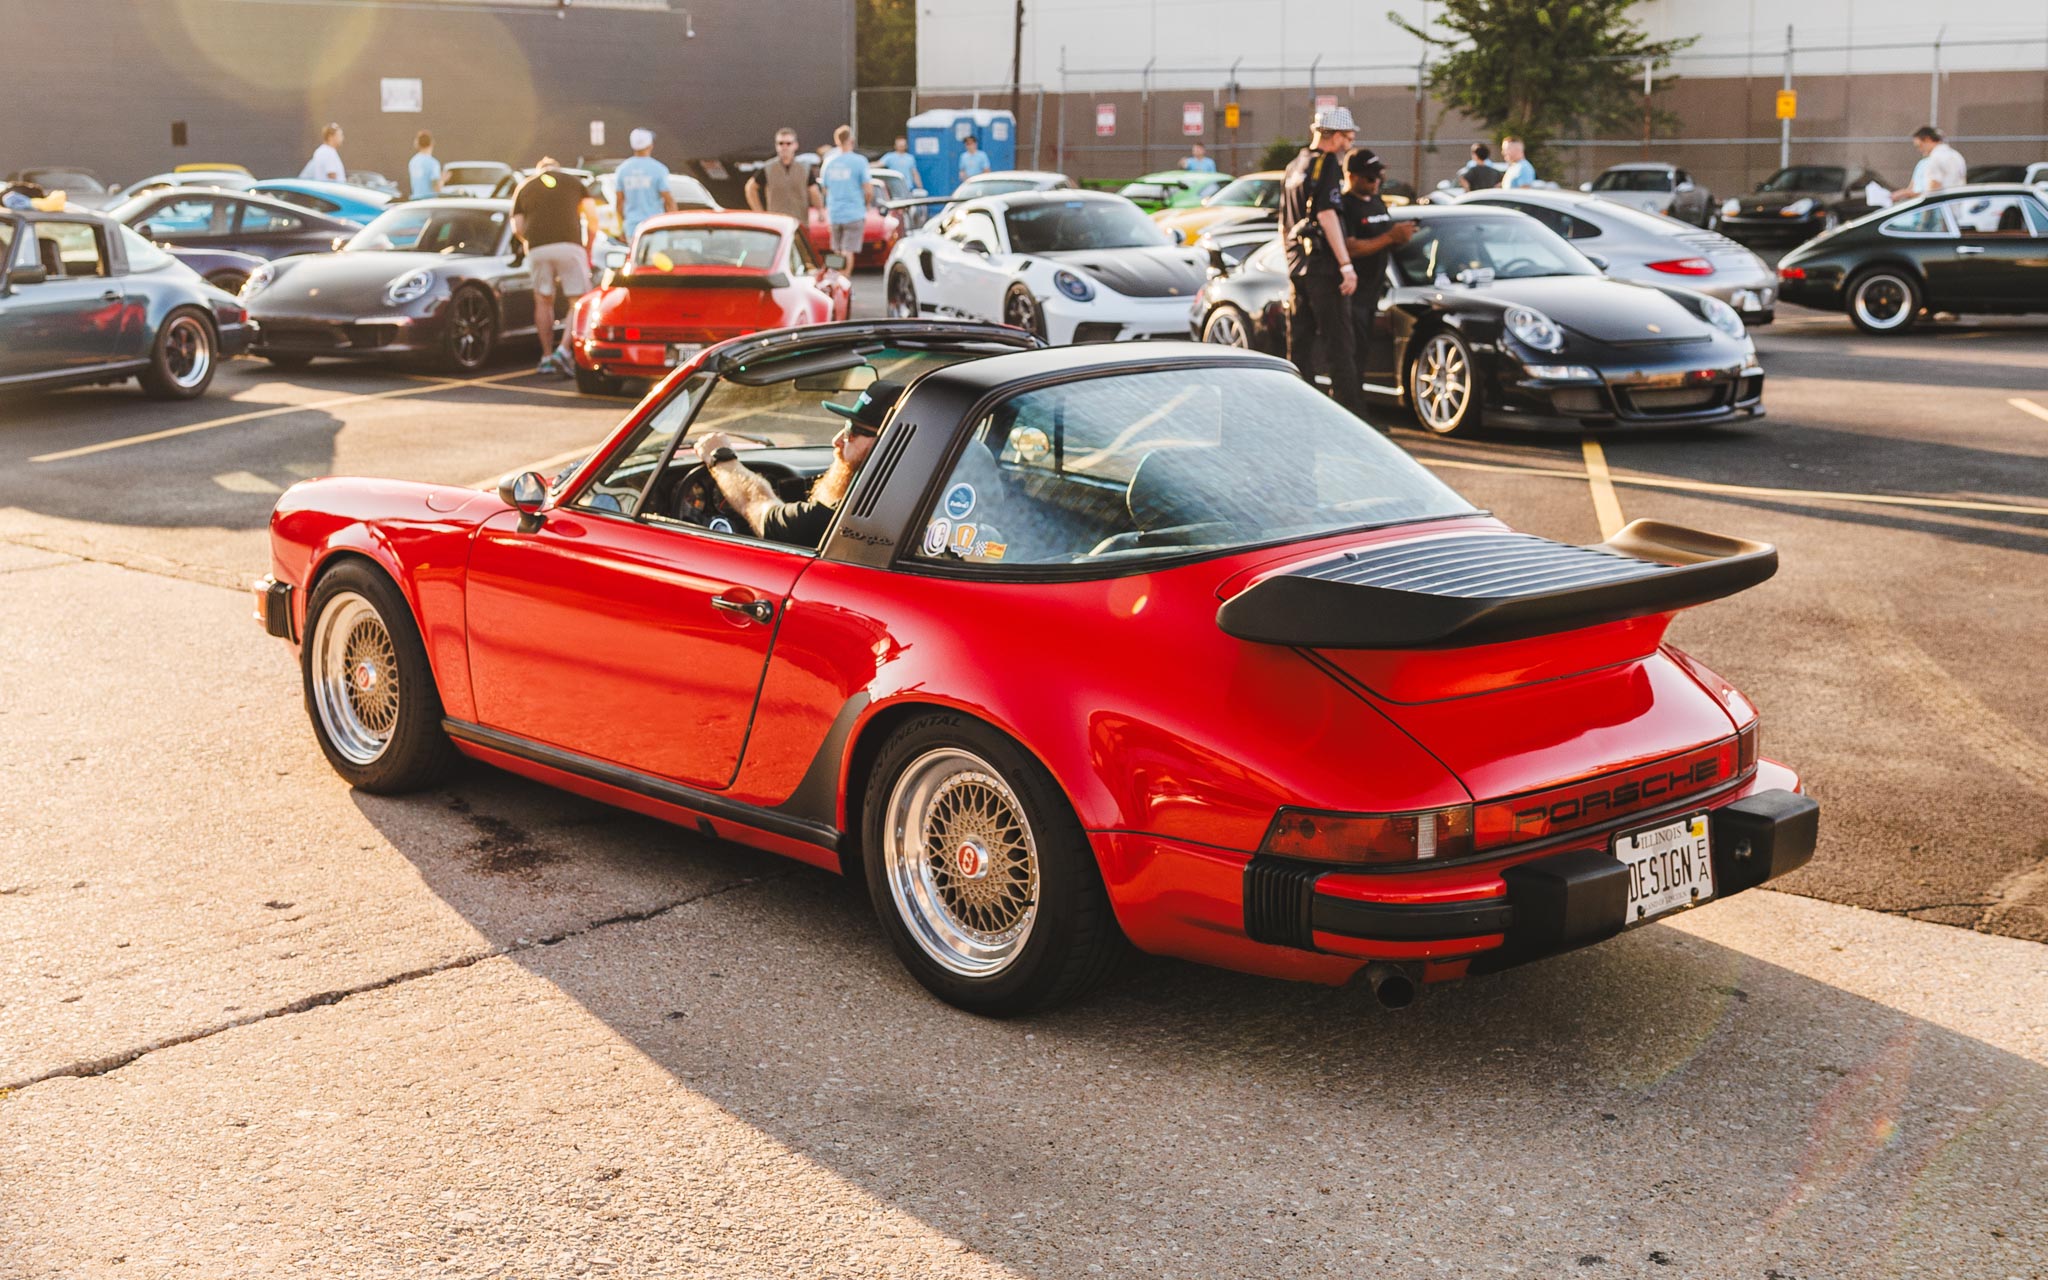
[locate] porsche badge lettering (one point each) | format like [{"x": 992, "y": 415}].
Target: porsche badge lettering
[{"x": 1595, "y": 805}]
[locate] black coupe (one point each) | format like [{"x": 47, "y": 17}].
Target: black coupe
[
  {"x": 1797, "y": 202},
  {"x": 83, "y": 299},
  {"x": 1981, "y": 249},
  {"x": 1491, "y": 315},
  {"x": 431, "y": 279}
]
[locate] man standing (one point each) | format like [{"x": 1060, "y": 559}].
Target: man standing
[
  {"x": 1371, "y": 235},
  {"x": 1941, "y": 165},
  {"x": 1320, "y": 275},
  {"x": 642, "y": 185},
  {"x": 1479, "y": 173},
  {"x": 972, "y": 161},
  {"x": 423, "y": 171},
  {"x": 785, "y": 185},
  {"x": 844, "y": 175},
  {"x": 554, "y": 214},
  {"x": 900, "y": 159},
  {"x": 325, "y": 166},
  {"x": 1520, "y": 173},
  {"x": 1198, "y": 160}
]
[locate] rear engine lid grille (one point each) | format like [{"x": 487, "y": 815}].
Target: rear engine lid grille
[{"x": 1483, "y": 565}]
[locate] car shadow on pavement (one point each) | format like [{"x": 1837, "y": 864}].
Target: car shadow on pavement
[{"x": 1656, "y": 1100}]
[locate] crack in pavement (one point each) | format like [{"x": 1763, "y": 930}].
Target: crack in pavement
[
  {"x": 204, "y": 575},
  {"x": 92, "y": 1067}
]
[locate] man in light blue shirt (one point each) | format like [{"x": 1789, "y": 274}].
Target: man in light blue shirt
[
  {"x": 1520, "y": 173},
  {"x": 902, "y": 161},
  {"x": 1199, "y": 161},
  {"x": 423, "y": 169},
  {"x": 972, "y": 160},
  {"x": 844, "y": 176},
  {"x": 642, "y": 185}
]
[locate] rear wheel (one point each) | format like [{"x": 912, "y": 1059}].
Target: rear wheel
[
  {"x": 472, "y": 332},
  {"x": 1884, "y": 300},
  {"x": 1227, "y": 327},
  {"x": 369, "y": 689},
  {"x": 182, "y": 361},
  {"x": 1443, "y": 388},
  {"x": 902, "y": 294},
  {"x": 982, "y": 876}
]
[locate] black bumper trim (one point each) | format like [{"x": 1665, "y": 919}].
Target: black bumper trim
[
  {"x": 274, "y": 607},
  {"x": 1411, "y": 921}
]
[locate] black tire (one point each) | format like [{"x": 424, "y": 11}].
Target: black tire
[
  {"x": 290, "y": 364},
  {"x": 902, "y": 294},
  {"x": 183, "y": 357},
  {"x": 415, "y": 752},
  {"x": 469, "y": 331},
  {"x": 1228, "y": 326},
  {"x": 1021, "y": 311},
  {"x": 593, "y": 383},
  {"x": 1439, "y": 365},
  {"x": 1071, "y": 940},
  {"x": 1883, "y": 300},
  {"x": 228, "y": 281}
]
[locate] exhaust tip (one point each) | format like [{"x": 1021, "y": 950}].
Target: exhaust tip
[{"x": 1391, "y": 986}]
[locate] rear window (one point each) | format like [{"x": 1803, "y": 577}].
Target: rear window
[
  {"x": 1633, "y": 180},
  {"x": 1142, "y": 466},
  {"x": 671, "y": 248}
]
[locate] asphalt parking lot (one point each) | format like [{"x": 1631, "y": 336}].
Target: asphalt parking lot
[{"x": 256, "y": 1024}]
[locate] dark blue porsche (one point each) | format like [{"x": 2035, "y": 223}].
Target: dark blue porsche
[{"x": 83, "y": 299}]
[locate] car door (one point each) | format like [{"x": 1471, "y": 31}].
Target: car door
[
  {"x": 972, "y": 281},
  {"x": 635, "y": 642},
  {"x": 271, "y": 232},
  {"x": 2002, "y": 249},
  {"x": 69, "y": 321},
  {"x": 1927, "y": 234}
]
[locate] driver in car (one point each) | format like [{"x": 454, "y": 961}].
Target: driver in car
[{"x": 803, "y": 523}]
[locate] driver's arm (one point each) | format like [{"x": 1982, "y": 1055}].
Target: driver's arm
[{"x": 744, "y": 490}]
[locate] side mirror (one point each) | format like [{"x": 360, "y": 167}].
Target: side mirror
[
  {"x": 146, "y": 231},
  {"x": 615, "y": 260},
  {"x": 1179, "y": 236},
  {"x": 976, "y": 246},
  {"x": 526, "y": 493},
  {"x": 336, "y": 243},
  {"x": 1597, "y": 260},
  {"x": 27, "y": 275},
  {"x": 835, "y": 262},
  {"x": 112, "y": 188},
  {"x": 1585, "y": 186}
]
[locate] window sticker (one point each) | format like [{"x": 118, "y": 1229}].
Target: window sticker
[{"x": 960, "y": 500}]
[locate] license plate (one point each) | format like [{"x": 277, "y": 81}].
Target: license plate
[
  {"x": 1668, "y": 867},
  {"x": 682, "y": 354}
]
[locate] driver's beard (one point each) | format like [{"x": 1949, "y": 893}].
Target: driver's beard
[{"x": 832, "y": 486}]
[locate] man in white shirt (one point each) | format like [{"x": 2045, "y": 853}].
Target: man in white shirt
[
  {"x": 1941, "y": 165},
  {"x": 1519, "y": 172},
  {"x": 325, "y": 166}
]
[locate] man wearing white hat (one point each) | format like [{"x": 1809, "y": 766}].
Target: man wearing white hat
[
  {"x": 1320, "y": 275},
  {"x": 642, "y": 185}
]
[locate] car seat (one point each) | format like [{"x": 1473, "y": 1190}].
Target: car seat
[{"x": 52, "y": 255}]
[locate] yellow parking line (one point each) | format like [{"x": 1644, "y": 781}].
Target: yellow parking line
[
  {"x": 1747, "y": 491},
  {"x": 2025, "y": 405},
  {"x": 1606, "y": 507},
  {"x": 150, "y": 437},
  {"x": 596, "y": 402}
]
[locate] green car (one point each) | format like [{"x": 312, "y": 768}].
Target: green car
[{"x": 1172, "y": 189}]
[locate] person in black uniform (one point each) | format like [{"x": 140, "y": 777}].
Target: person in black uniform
[
  {"x": 1319, "y": 272},
  {"x": 1371, "y": 234},
  {"x": 803, "y": 523}
]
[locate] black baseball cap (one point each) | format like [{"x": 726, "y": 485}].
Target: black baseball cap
[
  {"x": 873, "y": 406},
  {"x": 1365, "y": 163}
]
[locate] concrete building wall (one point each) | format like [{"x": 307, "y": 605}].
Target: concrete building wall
[{"x": 99, "y": 82}]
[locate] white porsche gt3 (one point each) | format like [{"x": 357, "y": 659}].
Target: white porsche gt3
[{"x": 1070, "y": 266}]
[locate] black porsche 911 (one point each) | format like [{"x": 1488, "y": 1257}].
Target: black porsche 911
[
  {"x": 1491, "y": 316},
  {"x": 1969, "y": 250},
  {"x": 434, "y": 280}
]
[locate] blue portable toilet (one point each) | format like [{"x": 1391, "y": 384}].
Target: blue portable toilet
[{"x": 936, "y": 143}]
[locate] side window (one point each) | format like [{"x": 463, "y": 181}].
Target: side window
[
  {"x": 71, "y": 248},
  {"x": 2037, "y": 217},
  {"x": 256, "y": 217},
  {"x": 618, "y": 488},
  {"x": 189, "y": 216},
  {"x": 802, "y": 257},
  {"x": 1579, "y": 229},
  {"x": 974, "y": 225},
  {"x": 1991, "y": 215},
  {"x": 304, "y": 201},
  {"x": 1927, "y": 220}
]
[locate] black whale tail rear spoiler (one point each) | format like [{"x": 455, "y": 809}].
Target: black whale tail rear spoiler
[{"x": 1453, "y": 590}]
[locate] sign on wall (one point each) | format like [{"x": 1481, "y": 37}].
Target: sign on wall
[
  {"x": 1324, "y": 101},
  {"x": 597, "y": 133},
  {"x": 1191, "y": 119},
  {"x": 1105, "y": 119},
  {"x": 1788, "y": 104},
  {"x": 1231, "y": 115},
  {"x": 403, "y": 95}
]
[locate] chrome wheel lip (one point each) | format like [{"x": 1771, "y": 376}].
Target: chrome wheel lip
[
  {"x": 903, "y": 300},
  {"x": 1225, "y": 330},
  {"x": 1861, "y": 302},
  {"x": 188, "y": 352},
  {"x": 926, "y": 812},
  {"x": 354, "y": 667},
  {"x": 1441, "y": 385}
]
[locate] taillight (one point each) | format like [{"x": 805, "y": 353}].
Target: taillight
[
  {"x": 1374, "y": 838},
  {"x": 1684, "y": 267},
  {"x": 1791, "y": 273},
  {"x": 617, "y": 333},
  {"x": 1745, "y": 748}
]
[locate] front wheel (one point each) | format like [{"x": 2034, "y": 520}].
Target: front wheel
[
  {"x": 472, "y": 332},
  {"x": 1227, "y": 327},
  {"x": 1885, "y": 300},
  {"x": 902, "y": 294},
  {"x": 1021, "y": 311},
  {"x": 182, "y": 361},
  {"x": 980, "y": 872},
  {"x": 369, "y": 689},
  {"x": 1443, "y": 387}
]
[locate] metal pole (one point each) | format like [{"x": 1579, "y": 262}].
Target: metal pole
[
  {"x": 1421, "y": 78},
  {"x": 1235, "y": 154},
  {"x": 1785, "y": 126},
  {"x": 1934, "y": 81},
  {"x": 1037, "y": 127},
  {"x": 1312, "y": 85},
  {"x": 1059, "y": 155},
  {"x": 1646, "y": 108},
  {"x": 1145, "y": 112},
  {"x": 1017, "y": 68}
]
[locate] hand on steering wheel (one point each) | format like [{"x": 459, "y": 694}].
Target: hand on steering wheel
[{"x": 699, "y": 501}]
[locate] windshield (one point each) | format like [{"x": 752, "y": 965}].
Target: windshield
[
  {"x": 1249, "y": 193},
  {"x": 1513, "y": 247},
  {"x": 469, "y": 175},
  {"x": 142, "y": 255},
  {"x": 1633, "y": 180},
  {"x": 67, "y": 180},
  {"x": 792, "y": 414},
  {"x": 676, "y": 248},
  {"x": 471, "y": 233},
  {"x": 1081, "y": 224},
  {"x": 1807, "y": 177},
  {"x": 977, "y": 187},
  {"x": 1139, "y": 466}
]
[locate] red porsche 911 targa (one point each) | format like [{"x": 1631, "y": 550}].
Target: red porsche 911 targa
[
  {"x": 693, "y": 279},
  {"x": 1101, "y": 647}
]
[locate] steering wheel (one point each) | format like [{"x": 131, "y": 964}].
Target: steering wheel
[
  {"x": 699, "y": 502},
  {"x": 1504, "y": 269}
]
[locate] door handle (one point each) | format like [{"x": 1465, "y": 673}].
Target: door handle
[
  {"x": 758, "y": 610},
  {"x": 111, "y": 295},
  {"x": 1969, "y": 248}
]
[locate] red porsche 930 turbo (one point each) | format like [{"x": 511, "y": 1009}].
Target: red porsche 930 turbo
[
  {"x": 693, "y": 279},
  {"x": 1099, "y": 647}
]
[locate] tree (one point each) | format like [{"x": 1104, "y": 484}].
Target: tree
[
  {"x": 885, "y": 54},
  {"x": 1544, "y": 68}
]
